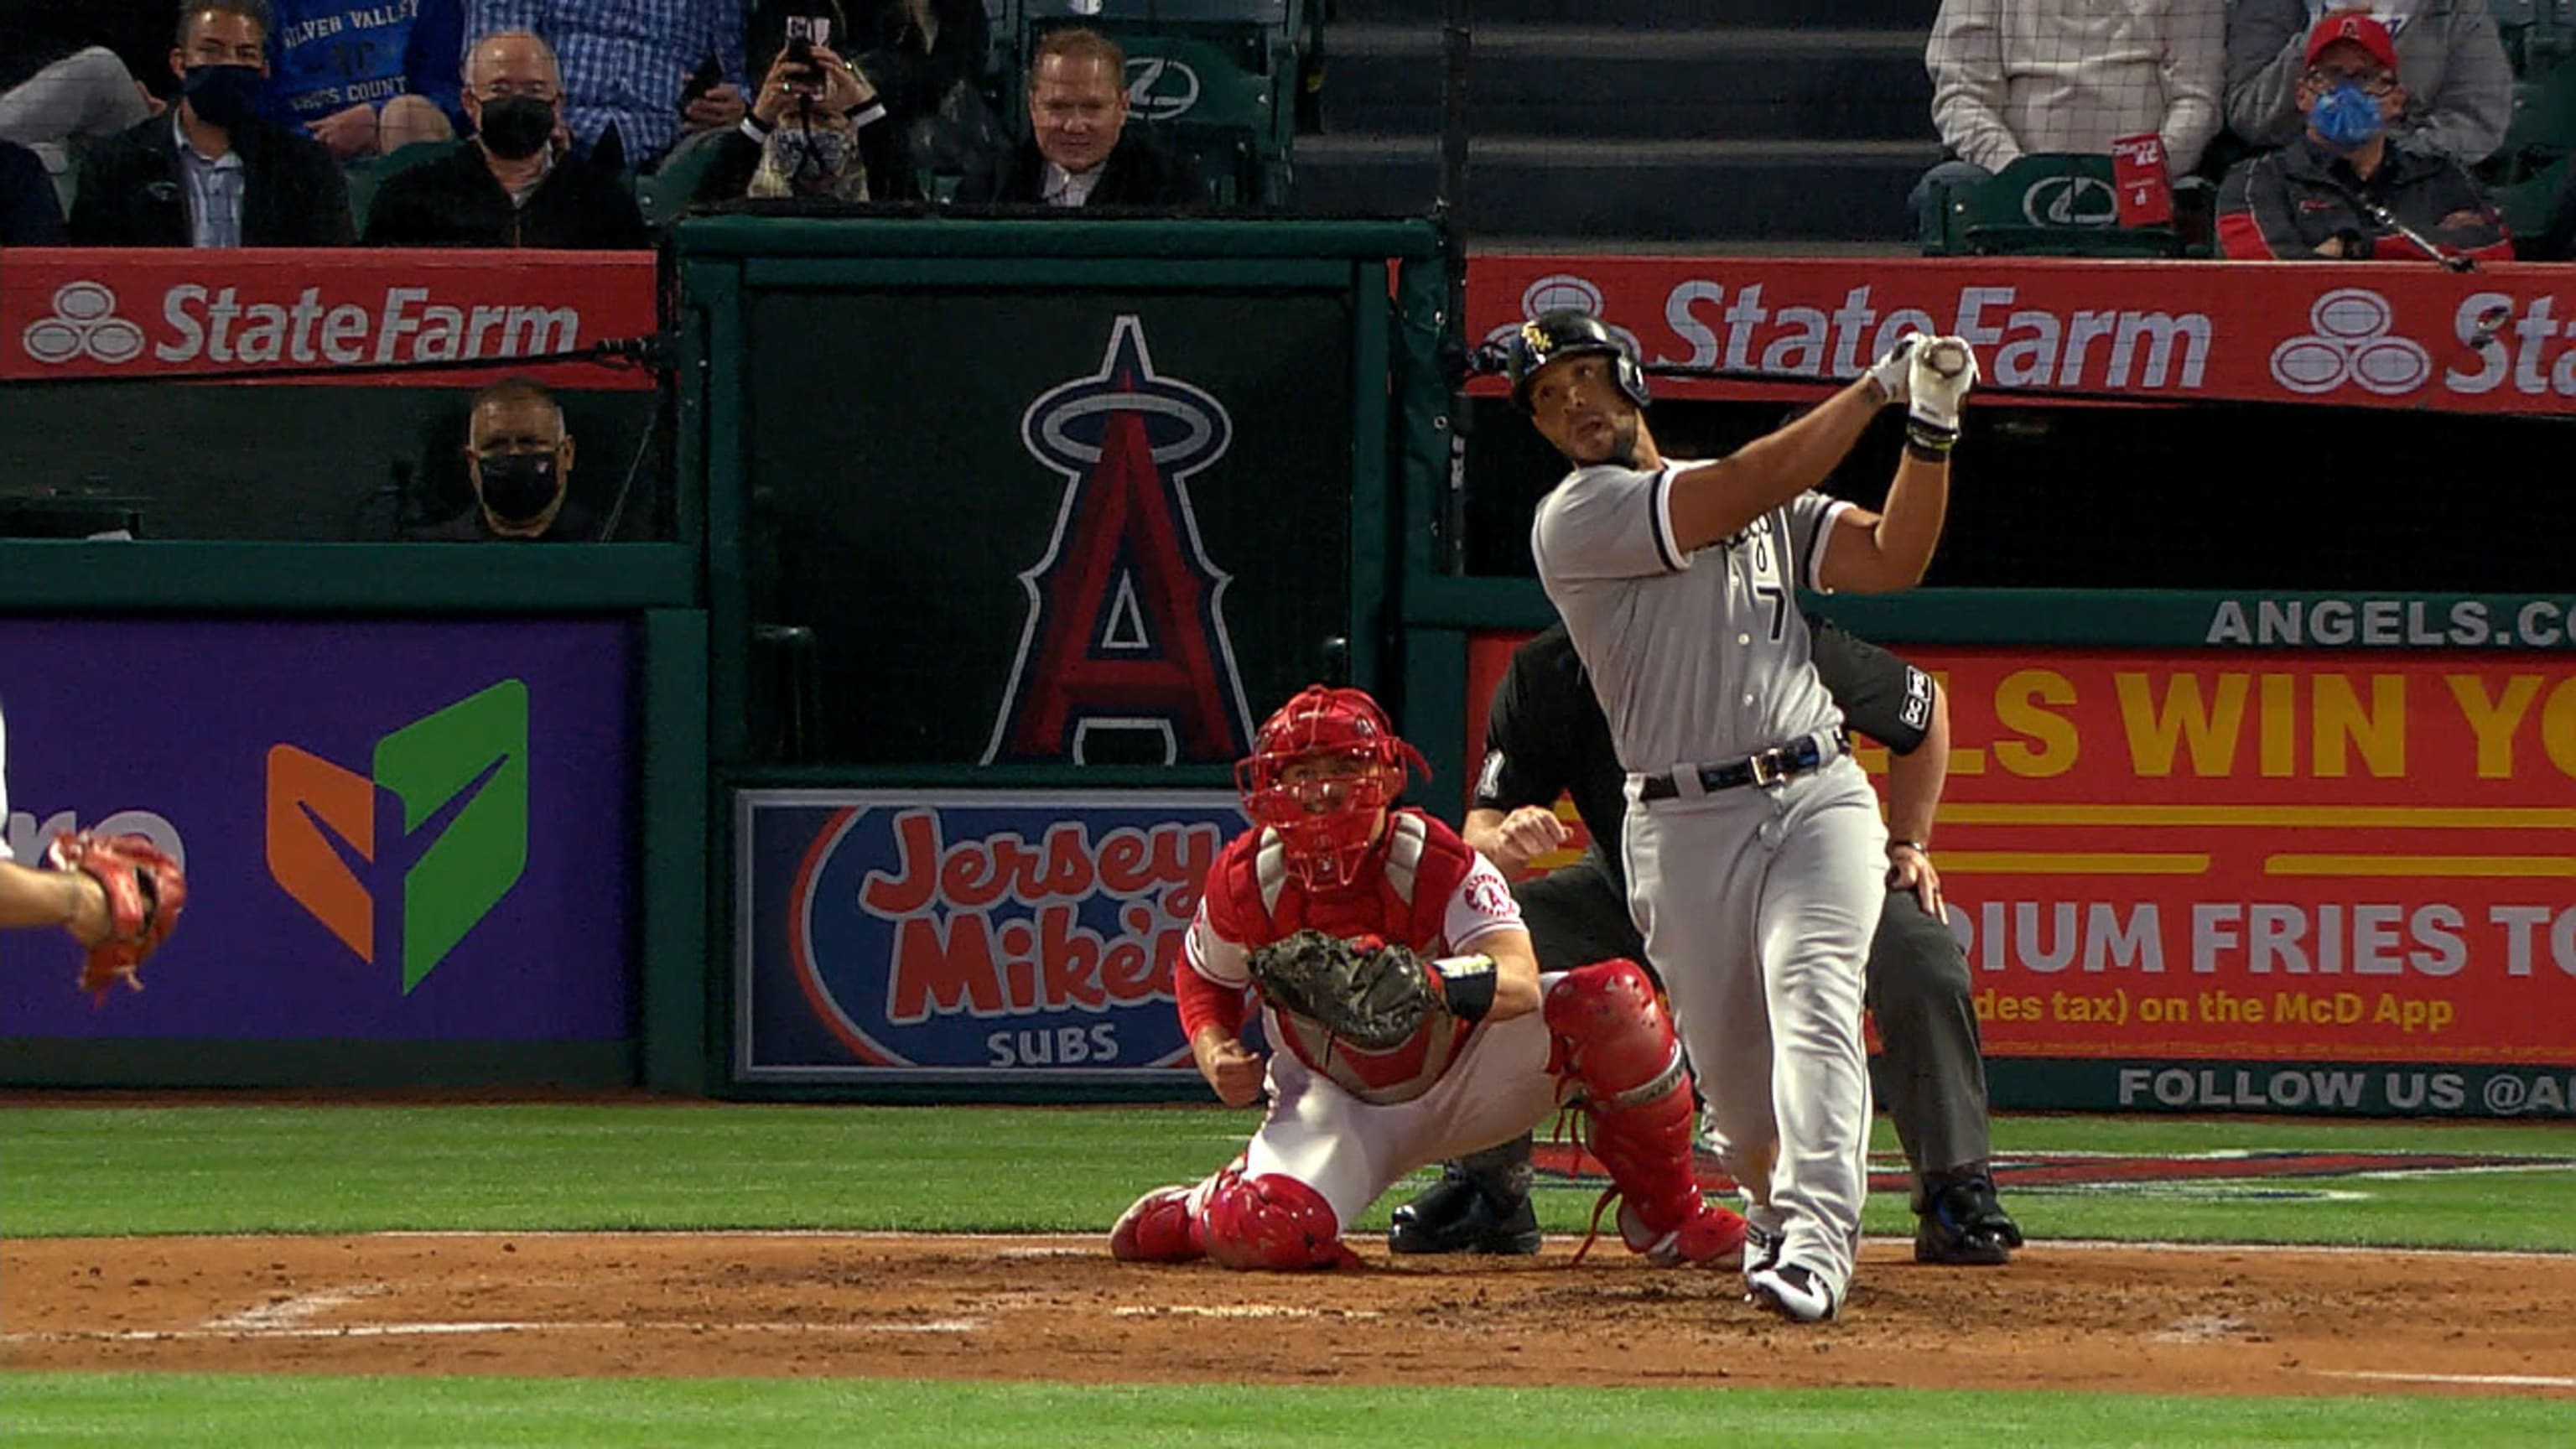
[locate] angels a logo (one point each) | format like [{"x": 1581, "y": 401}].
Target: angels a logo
[{"x": 1125, "y": 632}]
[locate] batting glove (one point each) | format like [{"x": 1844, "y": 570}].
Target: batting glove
[
  {"x": 1943, "y": 370},
  {"x": 1892, "y": 371}
]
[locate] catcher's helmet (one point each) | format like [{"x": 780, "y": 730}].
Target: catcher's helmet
[
  {"x": 1326, "y": 815},
  {"x": 1568, "y": 332}
]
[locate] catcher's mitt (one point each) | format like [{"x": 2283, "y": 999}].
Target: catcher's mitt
[
  {"x": 145, "y": 890},
  {"x": 1365, "y": 991}
]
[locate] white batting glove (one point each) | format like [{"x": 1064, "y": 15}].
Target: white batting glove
[
  {"x": 1944, "y": 368},
  {"x": 1892, "y": 371}
]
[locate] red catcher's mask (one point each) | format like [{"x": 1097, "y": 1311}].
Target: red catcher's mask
[{"x": 1321, "y": 773}]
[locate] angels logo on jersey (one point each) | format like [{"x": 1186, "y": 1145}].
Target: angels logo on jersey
[{"x": 1126, "y": 632}]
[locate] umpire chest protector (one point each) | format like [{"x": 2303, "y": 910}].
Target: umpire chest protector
[{"x": 1402, "y": 895}]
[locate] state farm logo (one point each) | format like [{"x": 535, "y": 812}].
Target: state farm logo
[
  {"x": 84, "y": 324},
  {"x": 2071, "y": 201},
  {"x": 1161, "y": 88},
  {"x": 2351, "y": 343},
  {"x": 1556, "y": 292},
  {"x": 249, "y": 325}
]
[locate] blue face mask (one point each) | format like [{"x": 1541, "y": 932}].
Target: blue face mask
[{"x": 2345, "y": 118}]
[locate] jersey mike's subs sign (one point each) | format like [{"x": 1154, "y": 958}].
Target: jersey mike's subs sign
[
  {"x": 146, "y": 314},
  {"x": 2197, "y": 855},
  {"x": 963, "y": 936},
  {"x": 2501, "y": 339}
]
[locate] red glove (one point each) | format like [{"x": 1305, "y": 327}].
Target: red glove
[{"x": 145, "y": 891}]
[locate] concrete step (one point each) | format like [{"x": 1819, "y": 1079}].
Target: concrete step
[
  {"x": 1596, "y": 82},
  {"x": 1667, "y": 191}
]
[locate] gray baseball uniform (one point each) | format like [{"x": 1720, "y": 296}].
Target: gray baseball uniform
[{"x": 1758, "y": 901}]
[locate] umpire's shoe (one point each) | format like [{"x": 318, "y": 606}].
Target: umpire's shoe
[
  {"x": 1458, "y": 1215},
  {"x": 1958, "y": 1223}
]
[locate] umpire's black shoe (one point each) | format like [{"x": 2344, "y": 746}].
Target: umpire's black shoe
[
  {"x": 1961, "y": 1225},
  {"x": 1457, "y": 1215}
]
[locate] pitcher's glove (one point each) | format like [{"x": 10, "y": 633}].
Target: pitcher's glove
[
  {"x": 145, "y": 892},
  {"x": 1365, "y": 991}
]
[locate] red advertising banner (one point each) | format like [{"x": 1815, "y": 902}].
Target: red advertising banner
[
  {"x": 2312, "y": 857},
  {"x": 2500, "y": 339},
  {"x": 142, "y": 314}
]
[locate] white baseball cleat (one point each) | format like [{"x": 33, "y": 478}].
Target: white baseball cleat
[{"x": 1792, "y": 1290}]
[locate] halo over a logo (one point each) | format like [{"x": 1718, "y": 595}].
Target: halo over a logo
[
  {"x": 2351, "y": 342},
  {"x": 1161, "y": 88},
  {"x": 84, "y": 324},
  {"x": 2071, "y": 201}
]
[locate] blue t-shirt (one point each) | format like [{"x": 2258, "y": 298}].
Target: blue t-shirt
[{"x": 325, "y": 56}]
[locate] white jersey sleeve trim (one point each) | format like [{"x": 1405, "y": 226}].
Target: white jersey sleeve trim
[
  {"x": 1667, "y": 546},
  {"x": 1824, "y": 539}
]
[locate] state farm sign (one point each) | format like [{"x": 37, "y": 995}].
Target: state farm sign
[
  {"x": 135, "y": 314},
  {"x": 2499, "y": 340}
]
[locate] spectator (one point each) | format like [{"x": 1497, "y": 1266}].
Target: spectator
[
  {"x": 2011, "y": 77},
  {"x": 627, "y": 68},
  {"x": 928, "y": 62},
  {"x": 212, "y": 173},
  {"x": 30, "y": 214},
  {"x": 814, "y": 131},
  {"x": 2459, "y": 85},
  {"x": 365, "y": 80},
  {"x": 519, "y": 458},
  {"x": 517, "y": 183},
  {"x": 70, "y": 69},
  {"x": 2343, "y": 191},
  {"x": 1080, "y": 151}
]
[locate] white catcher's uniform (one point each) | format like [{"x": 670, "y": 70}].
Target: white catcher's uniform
[
  {"x": 1350, "y": 1149},
  {"x": 1757, "y": 902}
]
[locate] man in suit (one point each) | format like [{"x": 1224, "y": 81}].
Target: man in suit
[
  {"x": 1080, "y": 150},
  {"x": 211, "y": 173}
]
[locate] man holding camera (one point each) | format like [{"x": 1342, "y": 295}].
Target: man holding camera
[{"x": 518, "y": 182}]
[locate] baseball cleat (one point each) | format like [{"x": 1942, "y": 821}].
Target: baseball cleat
[
  {"x": 1961, "y": 1224},
  {"x": 1792, "y": 1290},
  {"x": 1158, "y": 1229},
  {"x": 1712, "y": 1239},
  {"x": 1457, "y": 1215}
]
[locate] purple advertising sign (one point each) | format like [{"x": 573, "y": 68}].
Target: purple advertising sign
[
  {"x": 394, "y": 831},
  {"x": 966, "y": 935}
]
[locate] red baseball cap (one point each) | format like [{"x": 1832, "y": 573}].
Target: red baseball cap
[{"x": 2361, "y": 30}]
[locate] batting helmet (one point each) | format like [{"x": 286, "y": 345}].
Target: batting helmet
[
  {"x": 1321, "y": 772},
  {"x": 1568, "y": 332}
]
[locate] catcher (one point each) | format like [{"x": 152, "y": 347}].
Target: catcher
[
  {"x": 1412, "y": 1021},
  {"x": 118, "y": 895}
]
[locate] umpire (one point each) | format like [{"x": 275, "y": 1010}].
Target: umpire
[{"x": 1545, "y": 736}]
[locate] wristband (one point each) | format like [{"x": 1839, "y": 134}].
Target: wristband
[
  {"x": 1466, "y": 985},
  {"x": 1927, "y": 446}
]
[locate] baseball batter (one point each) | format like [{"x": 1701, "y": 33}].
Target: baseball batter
[
  {"x": 1544, "y": 738},
  {"x": 1755, "y": 856},
  {"x": 1329, "y": 858}
]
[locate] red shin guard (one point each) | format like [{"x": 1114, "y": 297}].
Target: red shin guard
[
  {"x": 1611, "y": 1043},
  {"x": 1272, "y": 1221}
]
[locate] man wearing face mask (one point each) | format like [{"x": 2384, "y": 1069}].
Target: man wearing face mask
[
  {"x": 517, "y": 183},
  {"x": 2342, "y": 191},
  {"x": 519, "y": 459},
  {"x": 210, "y": 173}
]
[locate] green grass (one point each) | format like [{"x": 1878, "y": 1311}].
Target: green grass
[
  {"x": 172, "y": 1411},
  {"x": 121, "y": 1170}
]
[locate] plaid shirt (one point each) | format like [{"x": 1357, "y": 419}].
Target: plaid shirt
[{"x": 624, "y": 61}]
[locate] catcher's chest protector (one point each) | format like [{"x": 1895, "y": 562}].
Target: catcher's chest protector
[{"x": 1402, "y": 895}]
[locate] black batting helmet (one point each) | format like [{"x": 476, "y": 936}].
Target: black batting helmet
[{"x": 1568, "y": 332}]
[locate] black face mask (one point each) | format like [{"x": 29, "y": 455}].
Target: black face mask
[
  {"x": 223, "y": 95},
  {"x": 520, "y": 487},
  {"x": 517, "y": 127}
]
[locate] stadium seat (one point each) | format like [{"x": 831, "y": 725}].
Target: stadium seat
[
  {"x": 368, "y": 174},
  {"x": 2051, "y": 204},
  {"x": 665, "y": 193},
  {"x": 1217, "y": 78}
]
